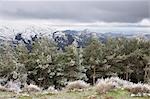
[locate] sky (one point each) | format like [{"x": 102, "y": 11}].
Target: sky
[{"x": 79, "y": 12}]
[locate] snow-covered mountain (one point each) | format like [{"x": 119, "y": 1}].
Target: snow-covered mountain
[{"x": 61, "y": 37}]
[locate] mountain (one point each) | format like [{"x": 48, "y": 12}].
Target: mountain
[{"x": 62, "y": 38}]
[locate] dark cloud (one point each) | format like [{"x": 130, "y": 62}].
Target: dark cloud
[{"x": 78, "y": 11}]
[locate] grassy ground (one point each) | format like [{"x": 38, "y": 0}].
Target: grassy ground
[{"x": 88, "y": 94}]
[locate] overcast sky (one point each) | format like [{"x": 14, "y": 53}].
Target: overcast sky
[{"x": 123, "y": 11}]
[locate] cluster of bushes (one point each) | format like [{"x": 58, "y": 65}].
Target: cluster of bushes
[
  {"x": 102, "y": 87},
  {"x": 46, "y": 66},
  {"x": 109, "y": 84}
]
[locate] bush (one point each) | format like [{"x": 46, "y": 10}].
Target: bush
[
  {"x": 117, "y": 82},
  {"x": 139, "y": 89},
  {"x": 103, "y": 87},
  {"x": 3, "y": 88},
  {"x": 77, "y": 85},
  {"x": 32, "y": 88},
  {"x": 13, "y": 86},
  {"x": 52, "y": 89}
]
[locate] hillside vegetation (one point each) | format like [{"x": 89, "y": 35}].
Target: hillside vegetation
[{"x": 42, "y": 64}]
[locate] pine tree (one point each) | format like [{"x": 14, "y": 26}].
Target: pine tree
[
  {"x": 93, "y": 57},
  {"x": 7, "y": 59},
  {"x": 71, "y": 62}
]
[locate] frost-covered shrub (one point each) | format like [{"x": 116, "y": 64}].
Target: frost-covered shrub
[
  {"x": 120, "y": 83},
  {"x": 139, "y": 89},
  {"x": 116, "y": 81},
  {"x": 52, "y": 89},
  {"x": 103, "y": 86},
  {"x": 13, "y": 86},
  {"x": 77, "y": 85},
  {"x": 32, "y": 88},
  {"x": 107, "y": 84},
  {"x": 3, "y": 88}
]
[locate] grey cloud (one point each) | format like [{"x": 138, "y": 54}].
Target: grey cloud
[{"x": 78, "y": 11}]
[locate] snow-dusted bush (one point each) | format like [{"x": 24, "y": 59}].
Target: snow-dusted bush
[
  {"x": 139, "y": 89},
  {"x": 116, "y": 81},
  {"x": 13, "y": 86},
  {"x": 52, "y": 89},
  {"x": 79, "y": 84},
  {"x": 104, "y": 86},
  {"x": 32, "y": 88},
  {"x": 3, "y": 88}
]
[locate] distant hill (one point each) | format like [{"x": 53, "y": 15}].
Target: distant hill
[{"x": 63, "y": 38}]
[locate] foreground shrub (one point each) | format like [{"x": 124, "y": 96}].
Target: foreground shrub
[
  {"x": 13, "y": 86},
  {"x": 77, "y": 85},
  {"x": 140, "y": 89},
  {"x": 52, "y": 89},
  {"x": 32, "y": 88},
  {"x": 3, "y": 88},
  {"x": 119, "y": 83},
  {"x": 103, "y": 87}
]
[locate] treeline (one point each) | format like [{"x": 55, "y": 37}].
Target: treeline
[{"x": 45, "y": 65}]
